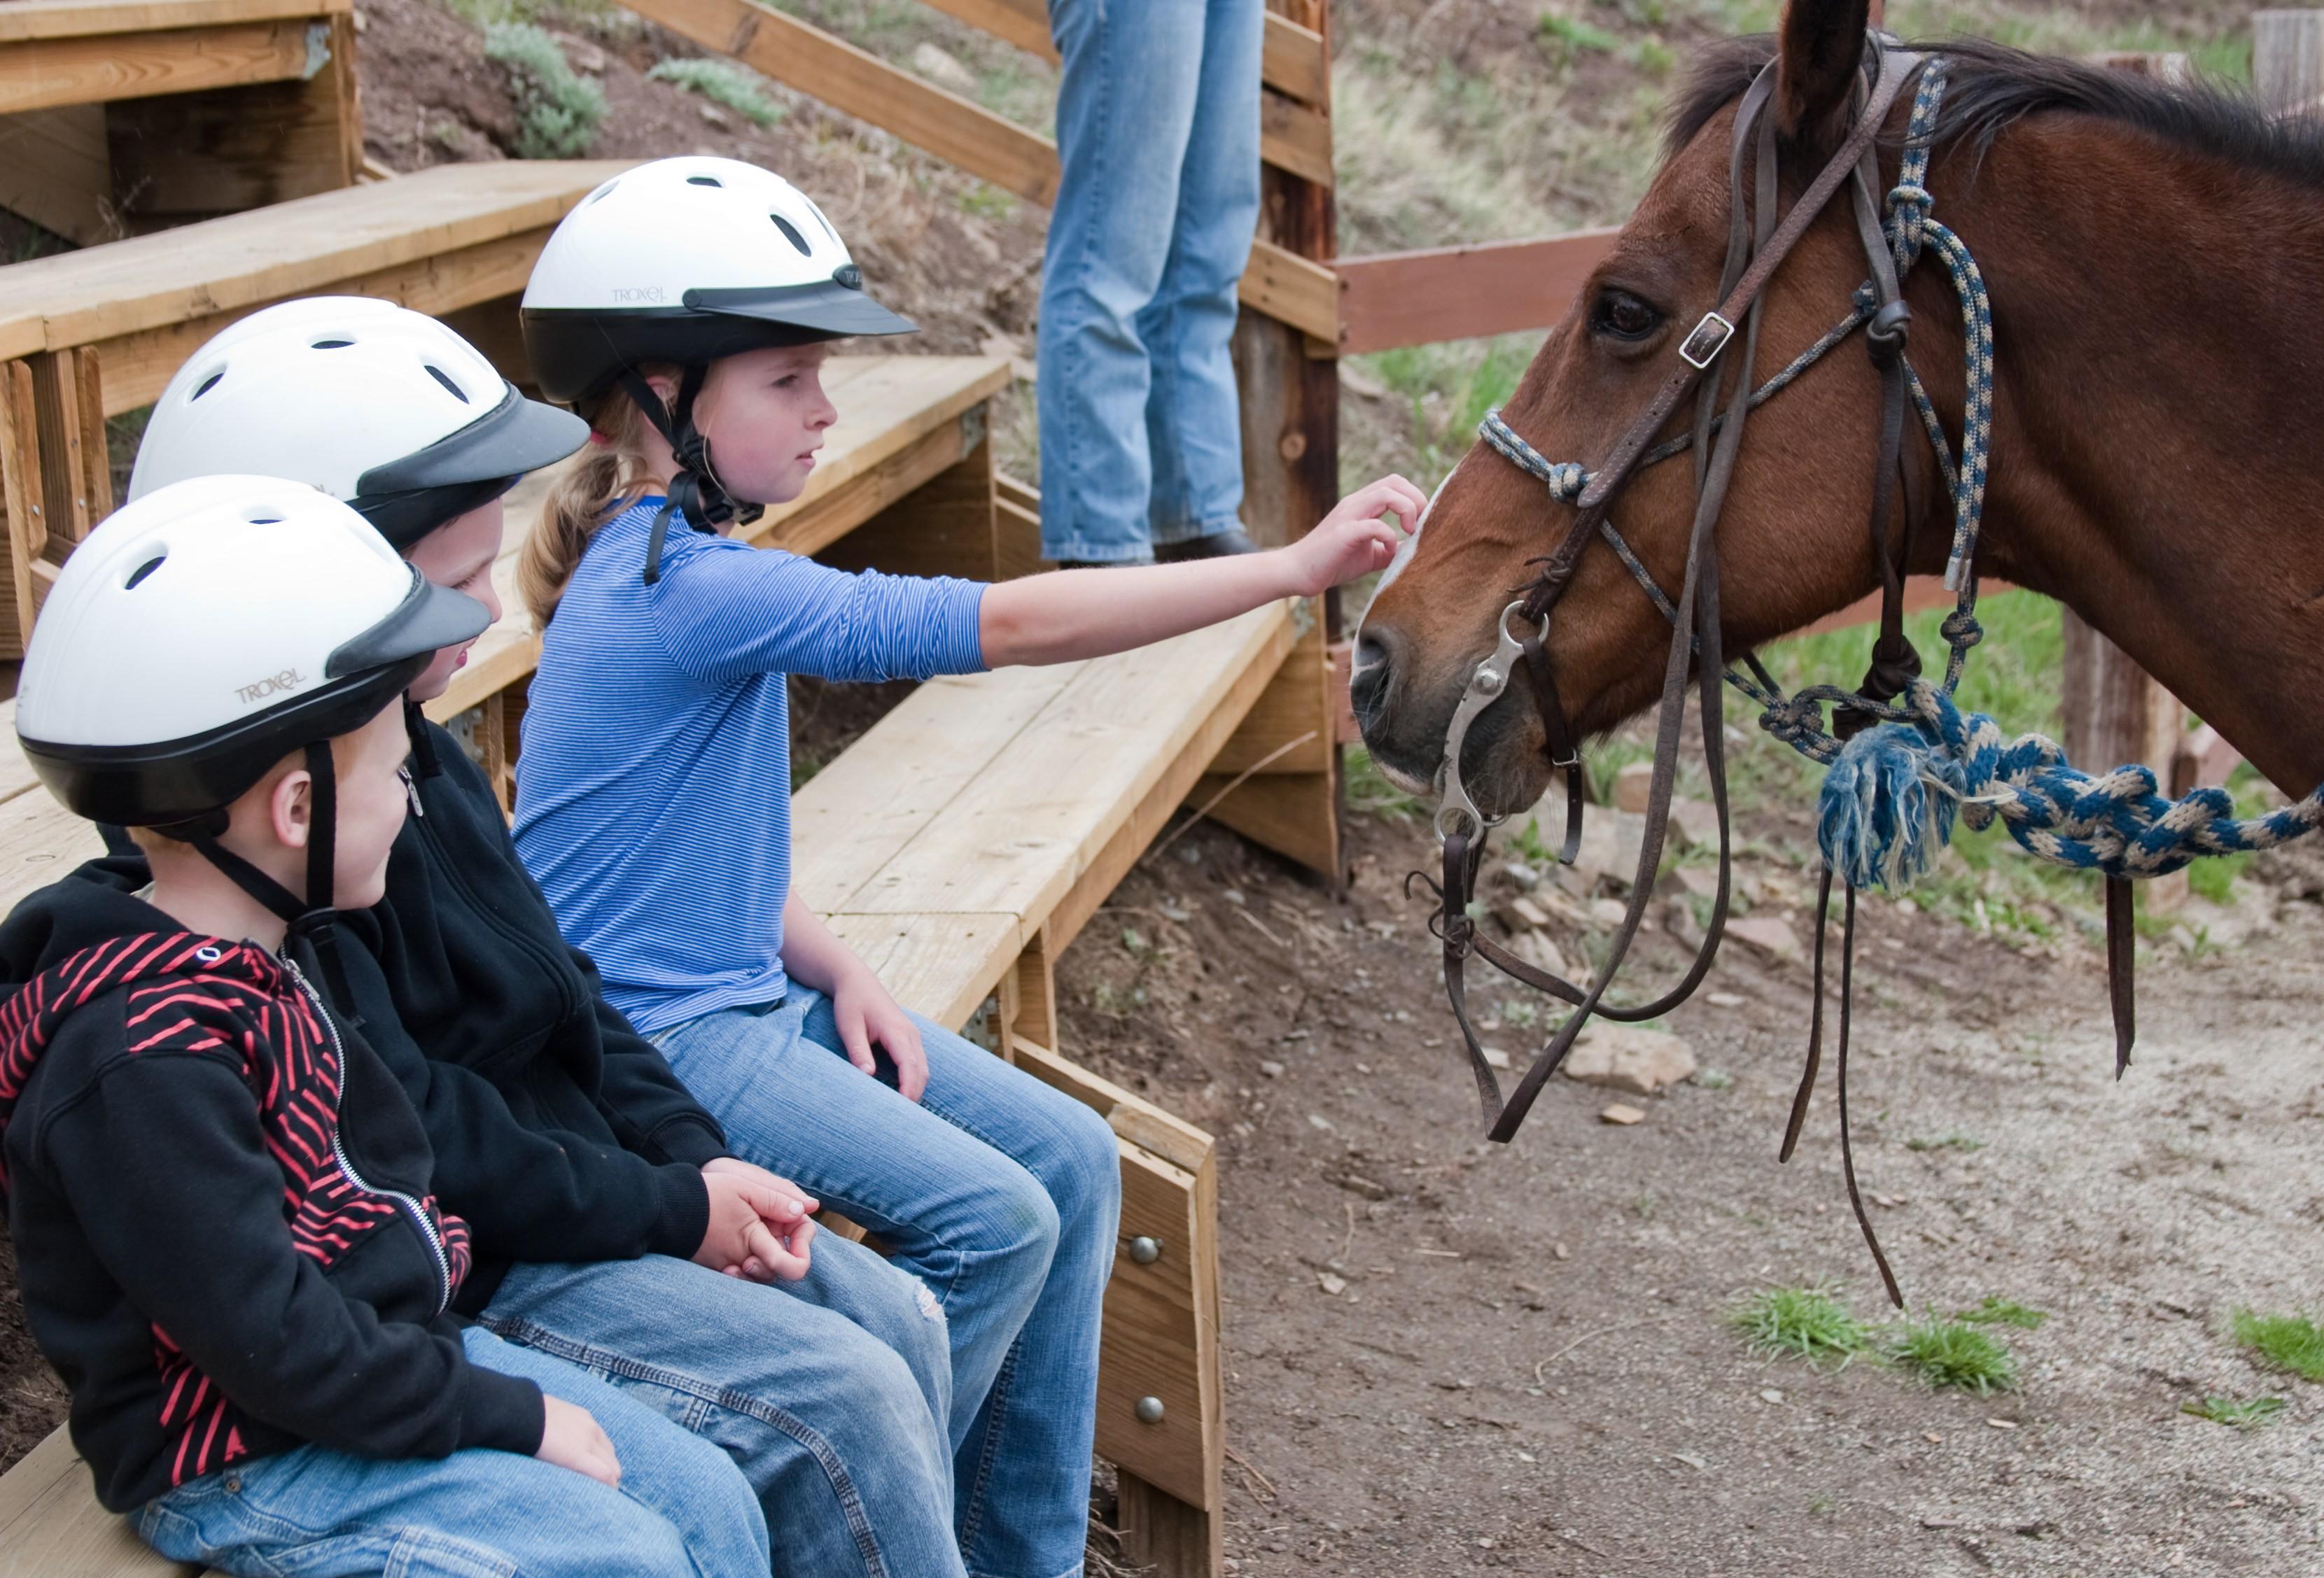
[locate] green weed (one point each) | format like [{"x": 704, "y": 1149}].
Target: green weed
[
  {"x": 1371, "y": 794},
  {"x": 558, "y": 112},
  {"x": 1713, "y": 1078},
  {"x": 1563, "y": 38},
  {"x": 982, "y": 201},
  {"x": 1799, "y": 1322},
  {"x": 1992, "y": 1311},
  {"x": 2287, "y": 1342},
  {"x": 2244, "y": 1413},
  {"x": 1952, "y": 1141},
  {"x": 727, "y": 82},
  {"x": 1945, "y": 1352}
]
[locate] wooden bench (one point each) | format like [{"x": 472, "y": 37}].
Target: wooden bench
[
  {"x": 90, "y": 335},
  {"x": 119, "y": 116}
]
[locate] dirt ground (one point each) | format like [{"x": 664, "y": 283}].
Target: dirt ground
[{"x": 1526, "y": 1365}]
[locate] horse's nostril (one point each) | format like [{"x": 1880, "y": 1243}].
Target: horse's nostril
[{"x": 1368, "y": 683}]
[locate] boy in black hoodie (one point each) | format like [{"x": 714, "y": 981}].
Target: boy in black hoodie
[{"x": 223, "y": 1207}]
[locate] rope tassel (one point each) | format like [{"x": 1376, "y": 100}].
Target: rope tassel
[{"x": 1876, "y": 821}]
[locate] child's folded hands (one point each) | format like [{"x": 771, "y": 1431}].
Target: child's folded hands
[{"x": 760, "y": 1225}]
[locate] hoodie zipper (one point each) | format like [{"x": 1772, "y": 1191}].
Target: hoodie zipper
[{"x": 410, "y": 1206}]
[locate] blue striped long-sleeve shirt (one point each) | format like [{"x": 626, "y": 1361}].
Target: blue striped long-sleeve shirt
[{"x": 653, "y": 791}]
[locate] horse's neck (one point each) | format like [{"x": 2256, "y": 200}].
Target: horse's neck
[{"x": 2159, "y": 330}]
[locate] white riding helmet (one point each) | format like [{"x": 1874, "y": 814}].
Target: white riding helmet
[
  {"x": 205, "y": 631},
  {"x": 686, "y": 261},
  {"x": 374, "y": 403}
]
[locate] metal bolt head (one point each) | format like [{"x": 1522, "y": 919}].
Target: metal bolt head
[
  {"x": 1149, "y": 1411},
  {"x": 1145, "y": 1250},
  {"x": 1488, "y": 680}
]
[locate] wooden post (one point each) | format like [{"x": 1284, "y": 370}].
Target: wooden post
[
  {"x": 1290, "y": 391},
  {"x": 2288, "y": 61}
]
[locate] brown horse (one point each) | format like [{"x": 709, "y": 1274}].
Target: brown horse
[{"x": 2155, "y": 261}]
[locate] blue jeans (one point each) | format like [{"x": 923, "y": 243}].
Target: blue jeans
[
  {"x": 1157, "y": 114},
  {"x": 832, "y": 1394},
  {"x": 683, "y": 1510},
  {"x": 999, "y": 1193}
]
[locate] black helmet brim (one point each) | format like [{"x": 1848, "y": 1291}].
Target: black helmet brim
[{"x": 577, "y": 352}]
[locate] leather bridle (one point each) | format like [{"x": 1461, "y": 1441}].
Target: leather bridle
[{"x": 1715, "y": 362}]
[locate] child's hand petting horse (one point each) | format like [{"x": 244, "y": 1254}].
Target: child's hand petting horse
[{"x": 1354, "y": 540}]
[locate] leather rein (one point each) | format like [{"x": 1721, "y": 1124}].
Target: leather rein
[{"x": 1716, "y": 359}]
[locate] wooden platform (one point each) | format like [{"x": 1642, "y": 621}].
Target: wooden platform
[
  {"x": 89, "y": 335},
  {"x": 116, "y": 118}
]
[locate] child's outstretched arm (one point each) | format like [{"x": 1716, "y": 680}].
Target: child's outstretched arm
[{"x": 1089, "y": 613}]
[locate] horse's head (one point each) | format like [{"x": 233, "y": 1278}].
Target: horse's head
[{"x": 1792, "y": 540}]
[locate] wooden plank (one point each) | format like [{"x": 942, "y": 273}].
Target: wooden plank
[
  {"x": 1039, "y": 817},
  {"x": 1464, "y": 292},
  {"x": 943, "y": 966},
  {"x": 2112, "y": 711},
  {"x": 140, "y": 365},
  {"x": 50, "y": 1526},
  {"x": 20, "y": 488},
  {"x": 57, "y": 170},
  {"x": 1292, "y": 290},
  {"x": 1022, "y": 23},
  {"x": 1135, "y": 1118},
  {"x": 43, "y": 73},
  {"x": 332, "y": 240},
  {"x": 2202, "y": 760},
  {"x": 1295, "y": 137},
  {"x": 64, "y": 474},
  {"x": 2288, "y": 61},
  {"x": 1169, "y": 785},
  {"x": 857, "y": 815},
  {"x": 39, "y": 841},
  {"x": 1295, "y": 60},
  {"x": 1033, "y": 994},
  {"x": 1296, "y": 707},
  {"x": 21, "y": 20},
  {"x": 943, "y": 526},
  {"x": 1166, "y": 1535},
  {"x": 861, "y": 84},
  {"x": 198, "y": 155},
  {"x": 1292, "y": 60}
]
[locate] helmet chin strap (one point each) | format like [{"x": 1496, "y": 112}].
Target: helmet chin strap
[
  {"x": 308, "y": 922},
  {"x": 695, "y": 492}
]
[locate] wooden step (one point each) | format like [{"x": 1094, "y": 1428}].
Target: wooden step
[
  {"x": 50, "y": 1526},
  {"x": 435, "y": 240}
]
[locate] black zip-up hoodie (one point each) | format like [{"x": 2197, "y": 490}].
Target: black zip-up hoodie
[
  {"x": 560, "y": 1132},
  {"x": 226, "y": 1226}
]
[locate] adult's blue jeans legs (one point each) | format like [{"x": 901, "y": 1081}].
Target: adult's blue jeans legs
[
  {"x": 1133, "y": 78},
  {"x": 830, "y": 1393},
  {"x": 1003, "y": 1196},
  {"x": 1193, "y": 425},
  {"x": 683, "y": 1510}
]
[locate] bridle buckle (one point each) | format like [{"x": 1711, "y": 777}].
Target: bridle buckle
[{"x": 1705, "y": 341}]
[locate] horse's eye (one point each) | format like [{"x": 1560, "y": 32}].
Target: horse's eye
[{"x": 1625, "y": 316}]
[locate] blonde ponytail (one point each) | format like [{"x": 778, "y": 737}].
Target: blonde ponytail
[{"x": 610, "y": 475}]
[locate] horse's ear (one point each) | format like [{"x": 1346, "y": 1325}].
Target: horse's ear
[{"x": 1821, "y": 47}]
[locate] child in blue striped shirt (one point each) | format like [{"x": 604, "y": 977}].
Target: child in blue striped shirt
[{"x": 653, "y": 802}]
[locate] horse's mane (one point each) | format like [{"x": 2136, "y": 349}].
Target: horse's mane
[{"x": 1991, "y": 86}]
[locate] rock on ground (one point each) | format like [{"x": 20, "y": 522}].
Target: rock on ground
[{"x": 1624, "y": 1057}]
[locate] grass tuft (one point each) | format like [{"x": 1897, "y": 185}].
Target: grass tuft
[
  {"x": 558, "y": 112},
  {"x": 1799, "y": 1322},
  {"x": 2244, "y": 1413},
  {"x": 2287, "y": 1342},
  {"x": 1955, "y": 1141},
  {"x": 1370, "y": 793},
  {"x": 2003, "y": 1312},
  {"x": 727, "y": 82},
  {"x": 1946, "y": 1353}
]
